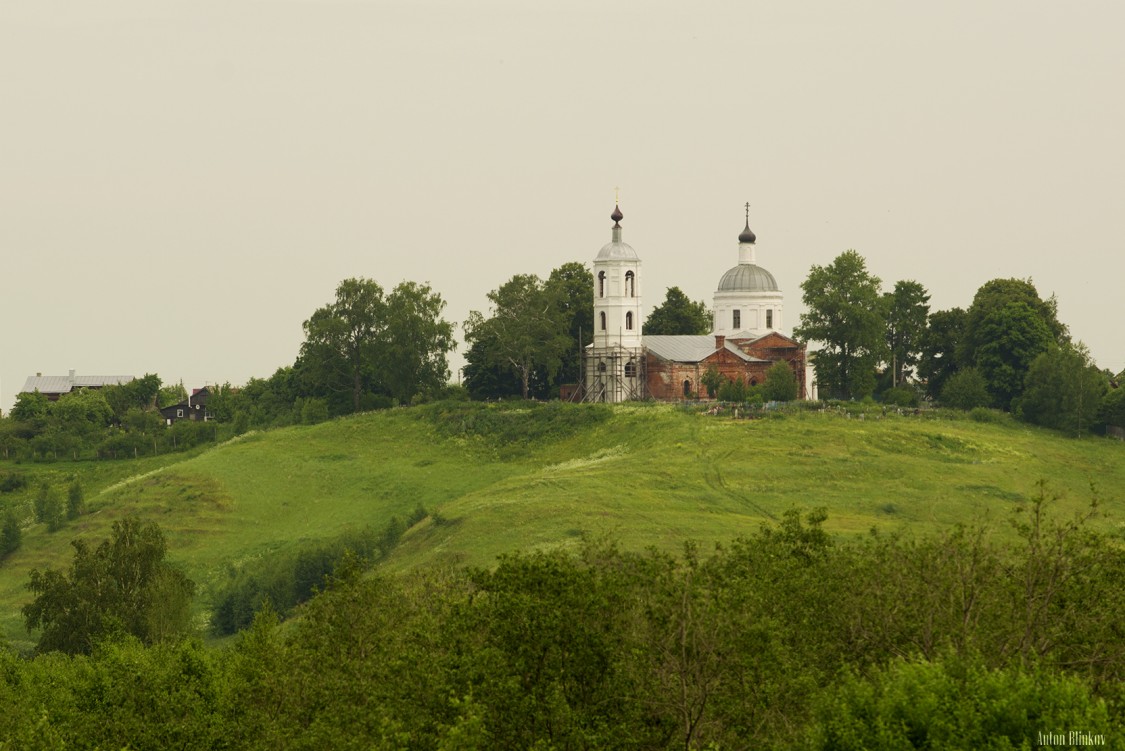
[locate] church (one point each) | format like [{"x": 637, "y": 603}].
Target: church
[{"x": 622, "y": 364}]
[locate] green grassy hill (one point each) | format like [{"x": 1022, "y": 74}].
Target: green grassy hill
[{"x": 502, "y": 478}]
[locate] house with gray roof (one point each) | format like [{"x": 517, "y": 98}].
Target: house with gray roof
[{"x": 53, "y": 387}]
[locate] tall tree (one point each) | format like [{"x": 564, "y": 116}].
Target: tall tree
[
  {"x": 123, "y": 585},
  {"x": 965, "y": 389},
  {"x": 1063, "y": 390},
  {"x": 487, "y": 378},
  {"x": 1112, "y": 409},
  {"x": 678, "y": 315},
  {"x": 844, "y": 314},
  {"x": 1011, "y": 337},
  {"x": 366, "y": 343},
  {"x": 994, "y": 295},
  {"x": 939, "y": 348},
  {"x": 342, "y": 339},
  {"x": 781, "y": 383},
  {"x": 570, "y": 286},
  {"x": 84, "y": 414},
  {"x": 139, "y": 393},
  {"x": 1007, "y": 326},
  {"x": 907, "y": 309},
  {"x": 10, "y": 534},
  {"x": 526, "y": 330},
  {"x": 169, "y": 395},
  {"x": 30, "y": 406},
  {"x": 417, "y": 342}
]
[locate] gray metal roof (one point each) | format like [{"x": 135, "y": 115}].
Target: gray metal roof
[
  {"x": 747, "y": 334},
  {"x": 616, "y": 251},
  {"x": 748, "y": 277},
  {"x": 66, "y": 384},
  {"x": 690, "y": 348}
]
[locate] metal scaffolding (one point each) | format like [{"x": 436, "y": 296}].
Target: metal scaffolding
[{"x": 616, "y": 374}]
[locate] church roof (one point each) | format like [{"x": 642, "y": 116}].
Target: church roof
[
  {"x": 747, "y": 277},
  {"x": 690, "y": 348},
  {"x": 617, "y": 251}
]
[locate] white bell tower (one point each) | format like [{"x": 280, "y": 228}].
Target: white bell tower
[{"x": 614, "y": 362}]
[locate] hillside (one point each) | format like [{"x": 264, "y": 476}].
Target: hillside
[{"x": 499, "y": 478}]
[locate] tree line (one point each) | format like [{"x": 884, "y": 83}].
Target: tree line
[
  {"x": 115, "y": 421},
  {"x": 365, "y": 350},
  {"x": 1007, "y": 350},
  {"x": 786, "y": 639},
  {"x": 371, "y": 349}
]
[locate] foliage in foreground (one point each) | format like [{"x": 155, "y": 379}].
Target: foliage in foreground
[
  {"x": 956, "y": 704},
  {"x": 123, "y": 586},
  {"x": 785, "y": 640}
]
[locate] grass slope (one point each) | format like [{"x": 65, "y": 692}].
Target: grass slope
[{"x": 510, "y": 478}]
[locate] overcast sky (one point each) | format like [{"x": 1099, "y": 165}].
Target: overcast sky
[{"x": 183, "y": 183}]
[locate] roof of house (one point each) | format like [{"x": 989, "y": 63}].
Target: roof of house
[
  {"x": 66, "y": 384},
  {"x": 690, "y": 348}
]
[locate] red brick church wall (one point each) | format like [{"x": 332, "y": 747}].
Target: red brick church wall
[{"x": 665, "y": 378}]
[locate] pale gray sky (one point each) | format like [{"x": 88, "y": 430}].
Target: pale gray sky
[{"x": 183, "y": 183}]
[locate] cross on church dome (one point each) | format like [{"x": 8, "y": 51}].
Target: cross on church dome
[{"x": 747, "y": 236}]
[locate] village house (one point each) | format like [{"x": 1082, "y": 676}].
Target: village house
[
  {"x": 53, "y": 387},
  {"x": 192, "y": 408}
]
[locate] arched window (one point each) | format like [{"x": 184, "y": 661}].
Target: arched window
[
  {"x": 629, "y": 284},
  {"x": 630, "y": 369},
  {"x": 601, "y": 285},
  {"x": 753, "y": 381},
  {"x": 687, "y": 388},
  {"x": 629, "y": 321},
  {"x": 601, "y": 367},
  {"x": 769, "y": 319},
  {"x": 602, "y": 316},
  {"x": 737, "y": 319}
]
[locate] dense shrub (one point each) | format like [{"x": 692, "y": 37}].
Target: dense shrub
[
  {"x": 1112, "y": 411},
  {"x": 1063, "y": 390},
  {"x": 287, "y": 580},
  {"x": 75, "y": 500},
  {"x": 788, "y": 639},
  {"x": 10, "y": 534},
  {"x": 901, "y": 396},
  {"x": 780, "y": 384},
  {"x": 734, "y": 390},
  {"x": 121, "y": 587},
  {"x": 12, "y": 481},
  {"x": 984, "y": 414},
  {"x": 312, "y": 410},
  {"x": 966, "y": 389},
  {"x": 49, "y": 507},
  {"x": 957, "y": 704},
  {"x": 515, "y": 423}
]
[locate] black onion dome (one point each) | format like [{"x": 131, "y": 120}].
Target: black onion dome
[
  {"x": 616, "y": 216},
  {"x": 747, "y": 236}
]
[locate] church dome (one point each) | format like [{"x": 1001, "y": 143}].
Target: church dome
[
  {"x": 747, "y": 277},
  {"x": 616, "y": 251}
]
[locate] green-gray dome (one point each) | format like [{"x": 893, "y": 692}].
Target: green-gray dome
[
  {"x": 747, "y": 277},
  {"x": 616, "y": 251}
]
